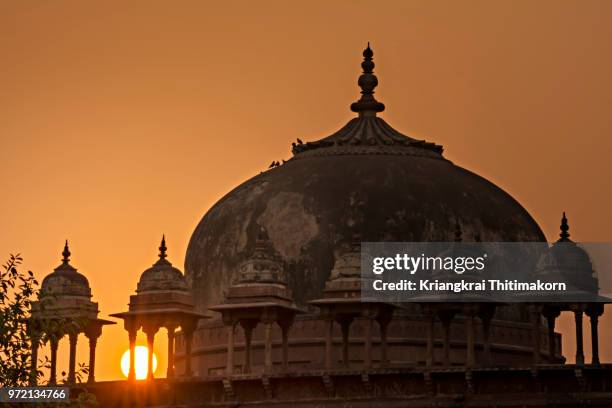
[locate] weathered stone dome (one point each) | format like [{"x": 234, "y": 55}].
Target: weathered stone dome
[
  {"x": 65, "y": 280},
  {"x": 162, "y": 276},
  {"x": 368, "y": 179}
]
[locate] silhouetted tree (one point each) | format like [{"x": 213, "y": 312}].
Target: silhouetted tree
[{"x": 17, "y": 291}]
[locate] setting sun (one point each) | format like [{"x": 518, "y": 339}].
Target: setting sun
[{"x": 141, "y": 362}]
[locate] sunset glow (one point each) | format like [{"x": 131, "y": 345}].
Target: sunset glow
[
  {"x": 141, "y": 362},
  {"x": 123, "y": 121}
]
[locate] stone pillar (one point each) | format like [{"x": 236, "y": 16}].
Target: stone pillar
[
  {"x": 53, "y": 342},
  {"x": 551, "y": 315},
  {"x": 35, "y": 340},
  {"x": 594, "y": 311},
  {"x": 285, "y": 337},
  {"x": 188, "y": 330},
  {"x": 384, "y": 357},
  {"x": 231, "y": 331},
  {"x": 132, "y": 332},
  {"x": 579, "y": 346},
  {"x": 470, "y": 359},
  {"x": 486, "y": 315},
  {"x": 594, "y": 339},
  {"x": 446, "y": 318},
  {"x": 329, "y": 330},
  {"x": 345, "y": 324},
  {"x": 268, "y": 345},
  {"x": 247, "y": 327},
  {"x": 367, "y": 344},
  {"x": 91, "y": 377},
  {"x": 429, "y": 358},
  {"x": 535, "y": 333},
  {"x": 72, "y": 338},
  {"x": 150, "y": 331},
  {"x": 170, "y": 369}
]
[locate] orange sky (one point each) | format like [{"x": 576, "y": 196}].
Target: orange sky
[{"x": 120, "y": 121}]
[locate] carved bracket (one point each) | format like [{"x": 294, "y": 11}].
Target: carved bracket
[
  {"x": 267, "y": 386},
  {"x": 469, "y": 382},
  {"x": 429, "y": 383},
  {"x": 328, "y": 384},
  {"x": 580, "y": 378},
  {"x": 367, "y": 385},
  {"x": 228, "y": 389}
]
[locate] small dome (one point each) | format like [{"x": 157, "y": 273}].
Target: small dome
[
  {"x": 347, "y": 259},
  {"x": 162, "y": 275},
  {"x": 65, "y": 280},
  {"x": 567, "y": 262},
  {"x": 264, "y": 265}
]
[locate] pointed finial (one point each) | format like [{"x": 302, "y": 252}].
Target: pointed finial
[
  {"x": 66, "y": 254},
  {"x": 162, "y": 248},
  {"x": 564, "y": 229},
  {"x": 458, "y": 232},
  {"x": 262, "y": 234},
  {"x": 367, "y": 105},
  {"x": 262, "y": 240}
]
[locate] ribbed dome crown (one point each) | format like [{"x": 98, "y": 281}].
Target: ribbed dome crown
[
  {"x": 65, "y": 280},
  {"x": 162, "y": 275}
]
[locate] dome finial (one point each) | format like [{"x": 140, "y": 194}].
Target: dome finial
[
  {"x": 262, "y": 233},
  {"x": 367, "y": 105},
  {"x": 163, "y": 248},
  {"x": 564, "y": 229},
  {"x": 66, "y": 254}
]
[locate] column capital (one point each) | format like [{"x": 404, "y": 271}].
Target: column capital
[
  {"x": 248, "y": 324},
  {"x": 188, "y": 325},
  {"x": 594, "y": 310},
  {"x": 73, "y": 336},
  {"x": 285, "y": 323},
  {"x": 151, "y": 328},
  {"x": 551, "y": 312},
  {"x": 446, "y": 316},
  {"x": 93, "y": 330},
  {"x": 131, "y": 325},
  {"x": 470, "y": 309}
]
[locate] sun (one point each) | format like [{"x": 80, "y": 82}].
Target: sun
[{"x": 141, "y": 362}]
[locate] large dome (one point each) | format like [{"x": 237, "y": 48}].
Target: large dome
[{"x": 368, "y": 179}]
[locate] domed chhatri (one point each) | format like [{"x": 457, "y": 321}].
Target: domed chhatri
[
  {"x": 162, "y": 275},
  {"x": 65, "y": 308},
  {"x": 162, "y": 299},
  {"x": 260, "y": 296},
  {"x": 65, "y": 280},
  {"x": 567, "y": 262}
]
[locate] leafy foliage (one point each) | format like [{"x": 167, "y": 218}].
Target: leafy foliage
[{"x": 17, "y": 291}]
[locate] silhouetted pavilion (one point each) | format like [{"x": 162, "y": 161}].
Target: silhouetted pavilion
[
  {"x": 65, "y": 308},
  {"x": 162, "y": 299}
]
